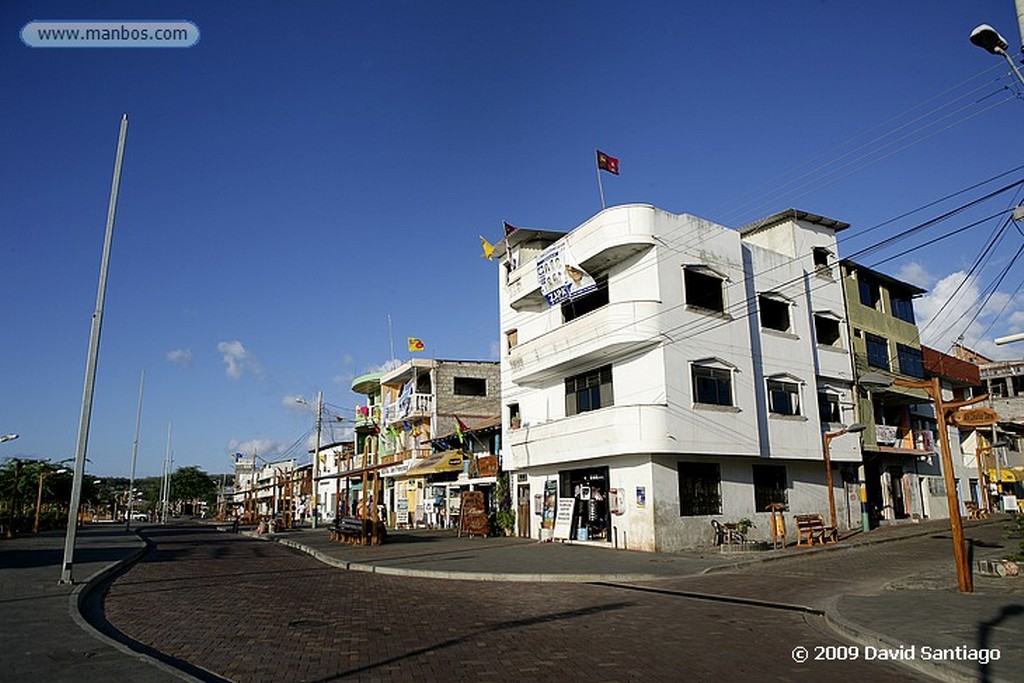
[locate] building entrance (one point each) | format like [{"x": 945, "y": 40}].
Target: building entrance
[{"x": 590, "y": 489}]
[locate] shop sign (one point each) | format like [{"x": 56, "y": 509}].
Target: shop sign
[
  {"x": 547, "y": 517},
  {"x": 560, "y": 276},
  {"x": 563, "y": 518},
  {"x": 395, "y": 470},
  {"x": 641, "y": 496},
  {"x": 487, "y": 465},
  {"x": 886, "y": 435},
  {"x": 974, "y": 417}
]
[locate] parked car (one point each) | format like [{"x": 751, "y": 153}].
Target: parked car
[{"x": 140, "y": 517}]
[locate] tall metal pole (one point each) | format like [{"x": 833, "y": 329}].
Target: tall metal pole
[
  {"x": 135, "y": 454},
  {"x": 165, "y": 490},
  {"x": 66, "y": 573},
  {"x": 316, "y": 457},
  {"x": 826, "y": 443}
]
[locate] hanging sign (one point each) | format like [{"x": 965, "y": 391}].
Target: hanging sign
[
  {"x": 974, "y": 417},
  {"x": 560, "y": 275}
]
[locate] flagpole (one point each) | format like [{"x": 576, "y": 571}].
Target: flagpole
[
  {"x": 391, "y": 338},
  {"x": 600, "y": 185}
]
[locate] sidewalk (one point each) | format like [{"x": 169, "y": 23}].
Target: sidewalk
[
  {"x": 892, "y": 589},
  {"x": 44, "y": 636}
]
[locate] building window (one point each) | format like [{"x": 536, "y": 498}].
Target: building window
[
  {"x": 700, "y": 489},
  {"x": 769, "y": 486},
  {"x": 826, "y": 330},
  {"x": 878, "y": 351},
  {"x": 515, "y": 421},
  {"x": 774, "y": 312},
  {"x": 821, "y": 257},
  {"x": 589, "y": 391},
  {"x": 911, "y": 362},
  {"x": 870, "y": 295},
  {"x": 470, "y": 386},
  {"x": 511, "y": 339},
  {"x": 574, "y": 308},
  {"x": 703, "y": 290},
  {"x": 712, "y": 386},
  {"x": 783, "y": 397},
  {"x": 902, "y": 308},
  {"x": 828, "y": 407}
]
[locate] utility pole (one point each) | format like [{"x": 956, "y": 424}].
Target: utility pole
[
  {"x": 66, "y": 576},
  {"x": 135, "y": 454},
  {"x": 316, "y": 457}
]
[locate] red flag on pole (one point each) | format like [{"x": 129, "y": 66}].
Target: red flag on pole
[{"x": 607, "y": 163}]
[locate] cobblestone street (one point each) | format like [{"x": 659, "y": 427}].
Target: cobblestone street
[{"x": 248, "y": 610}]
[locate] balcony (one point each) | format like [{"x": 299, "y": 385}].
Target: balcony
[
  {"x": 898, "y": 440},
  {"x": 616, "y": 328},
  {"x": 411, "y": 406},
  {"x": 366, "y": 417},
  {"x": 609, "y": 237},
  {"x": 615, "y": 430}
]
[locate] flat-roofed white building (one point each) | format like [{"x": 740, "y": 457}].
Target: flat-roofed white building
[{"x": 692, "y": 383}]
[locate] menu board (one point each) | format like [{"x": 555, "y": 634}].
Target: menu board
[{"x": 473, "y": 515}]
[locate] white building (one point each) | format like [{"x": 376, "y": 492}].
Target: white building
[{"x": 694, "y": 383}]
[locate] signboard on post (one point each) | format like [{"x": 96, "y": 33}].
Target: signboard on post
[{"x": 974, "y": 417}]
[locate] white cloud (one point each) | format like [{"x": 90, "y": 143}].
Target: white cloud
[
  {"x": 237, "y": 359},
  {"x": 914, "y": 273},
  {"x": 942, "y": 316},
  {"x": 291, "y": 403},
  {"x": 495, "y": 350},
  {"x": 265, "y": 448},
  {"x": 386, "y": 366},
  {"x": 182, "y": 357}
]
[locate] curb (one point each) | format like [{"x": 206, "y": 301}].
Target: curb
[{"x": 84, "y": 591}]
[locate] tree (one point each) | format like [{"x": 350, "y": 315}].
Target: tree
[{"x": 193, "y": 484}]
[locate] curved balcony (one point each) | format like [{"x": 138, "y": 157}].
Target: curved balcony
[
  {"x": 615, "y": 329},
  {"x": 615, "y": 430},
  {"x": 611, "y": 236}
]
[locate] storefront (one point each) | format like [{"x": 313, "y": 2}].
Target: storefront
[{"x": 589, "y": 487}]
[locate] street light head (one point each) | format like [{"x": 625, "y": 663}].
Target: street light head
[
  {"x": 62, "y": 470},
  {"x": 856, "y": 427},
  {"x": 987, "y": 38},
  {"x": 8, "y": 437}
]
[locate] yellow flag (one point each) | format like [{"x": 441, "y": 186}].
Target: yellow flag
[
  {"x": 488, "y": 248},
  {"x": 415, "y": 344}
]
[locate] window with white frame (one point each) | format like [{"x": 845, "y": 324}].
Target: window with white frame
[
  {"x": 783, "y": 396},
  {"x": 829, "y": 408},
  {"x": 712, "y": 383},
  {"x": 589, "y": 391}
]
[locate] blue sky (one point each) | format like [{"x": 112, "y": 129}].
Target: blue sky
[{"x": 309, "y": 168}]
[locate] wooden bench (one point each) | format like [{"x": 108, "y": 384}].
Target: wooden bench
[
  {"x": 811, "y": 527},
  {"x": 354, "y": 530}
]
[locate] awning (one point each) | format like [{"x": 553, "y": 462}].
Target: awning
[
  {"x": 448, "y": 461},
  {"x": 1009, "y": 475}
]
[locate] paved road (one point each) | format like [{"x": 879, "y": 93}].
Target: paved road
[{"x": 248, "y": 610}]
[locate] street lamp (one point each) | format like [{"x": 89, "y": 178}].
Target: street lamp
[
  {"x": 826, "y": 440},
  {"x": 315, "y": 471},
  {"x": 934, "y": 390},
  {"x": 43, "y": 474},
  {"x": 988, "y": 39},
  {"x": 8, "y": 437}
]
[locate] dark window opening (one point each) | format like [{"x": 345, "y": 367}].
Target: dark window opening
[
  {"x": 902, "y": 308},
  {"x": 470, "y": 386},
  {"x": 826, "y": 330},
  {"x": 423, "y": 385},
  {"x": 703, "y": 291},
  {"x": 774, "y": 313},
  {"x": 712, "y": 386},
  {"x": 870, "y": 295},
  {"x": 769, "y": 486},
  {"x": 700, "y": 487},
  {"x": 588, "y": 391},
  {"x": 783, "y": 397},
  {"x": 574, "y": 308},
  {"x": 878, "y": 351},
  {"x": 828, "y": 407},
  {"x": 911, "y": 361},
  {"x": 514, "y": 419}
]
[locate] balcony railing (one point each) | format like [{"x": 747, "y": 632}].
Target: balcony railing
[
  {"x": 888, "y": 436},
  {"x": 413, "y": 405}
]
